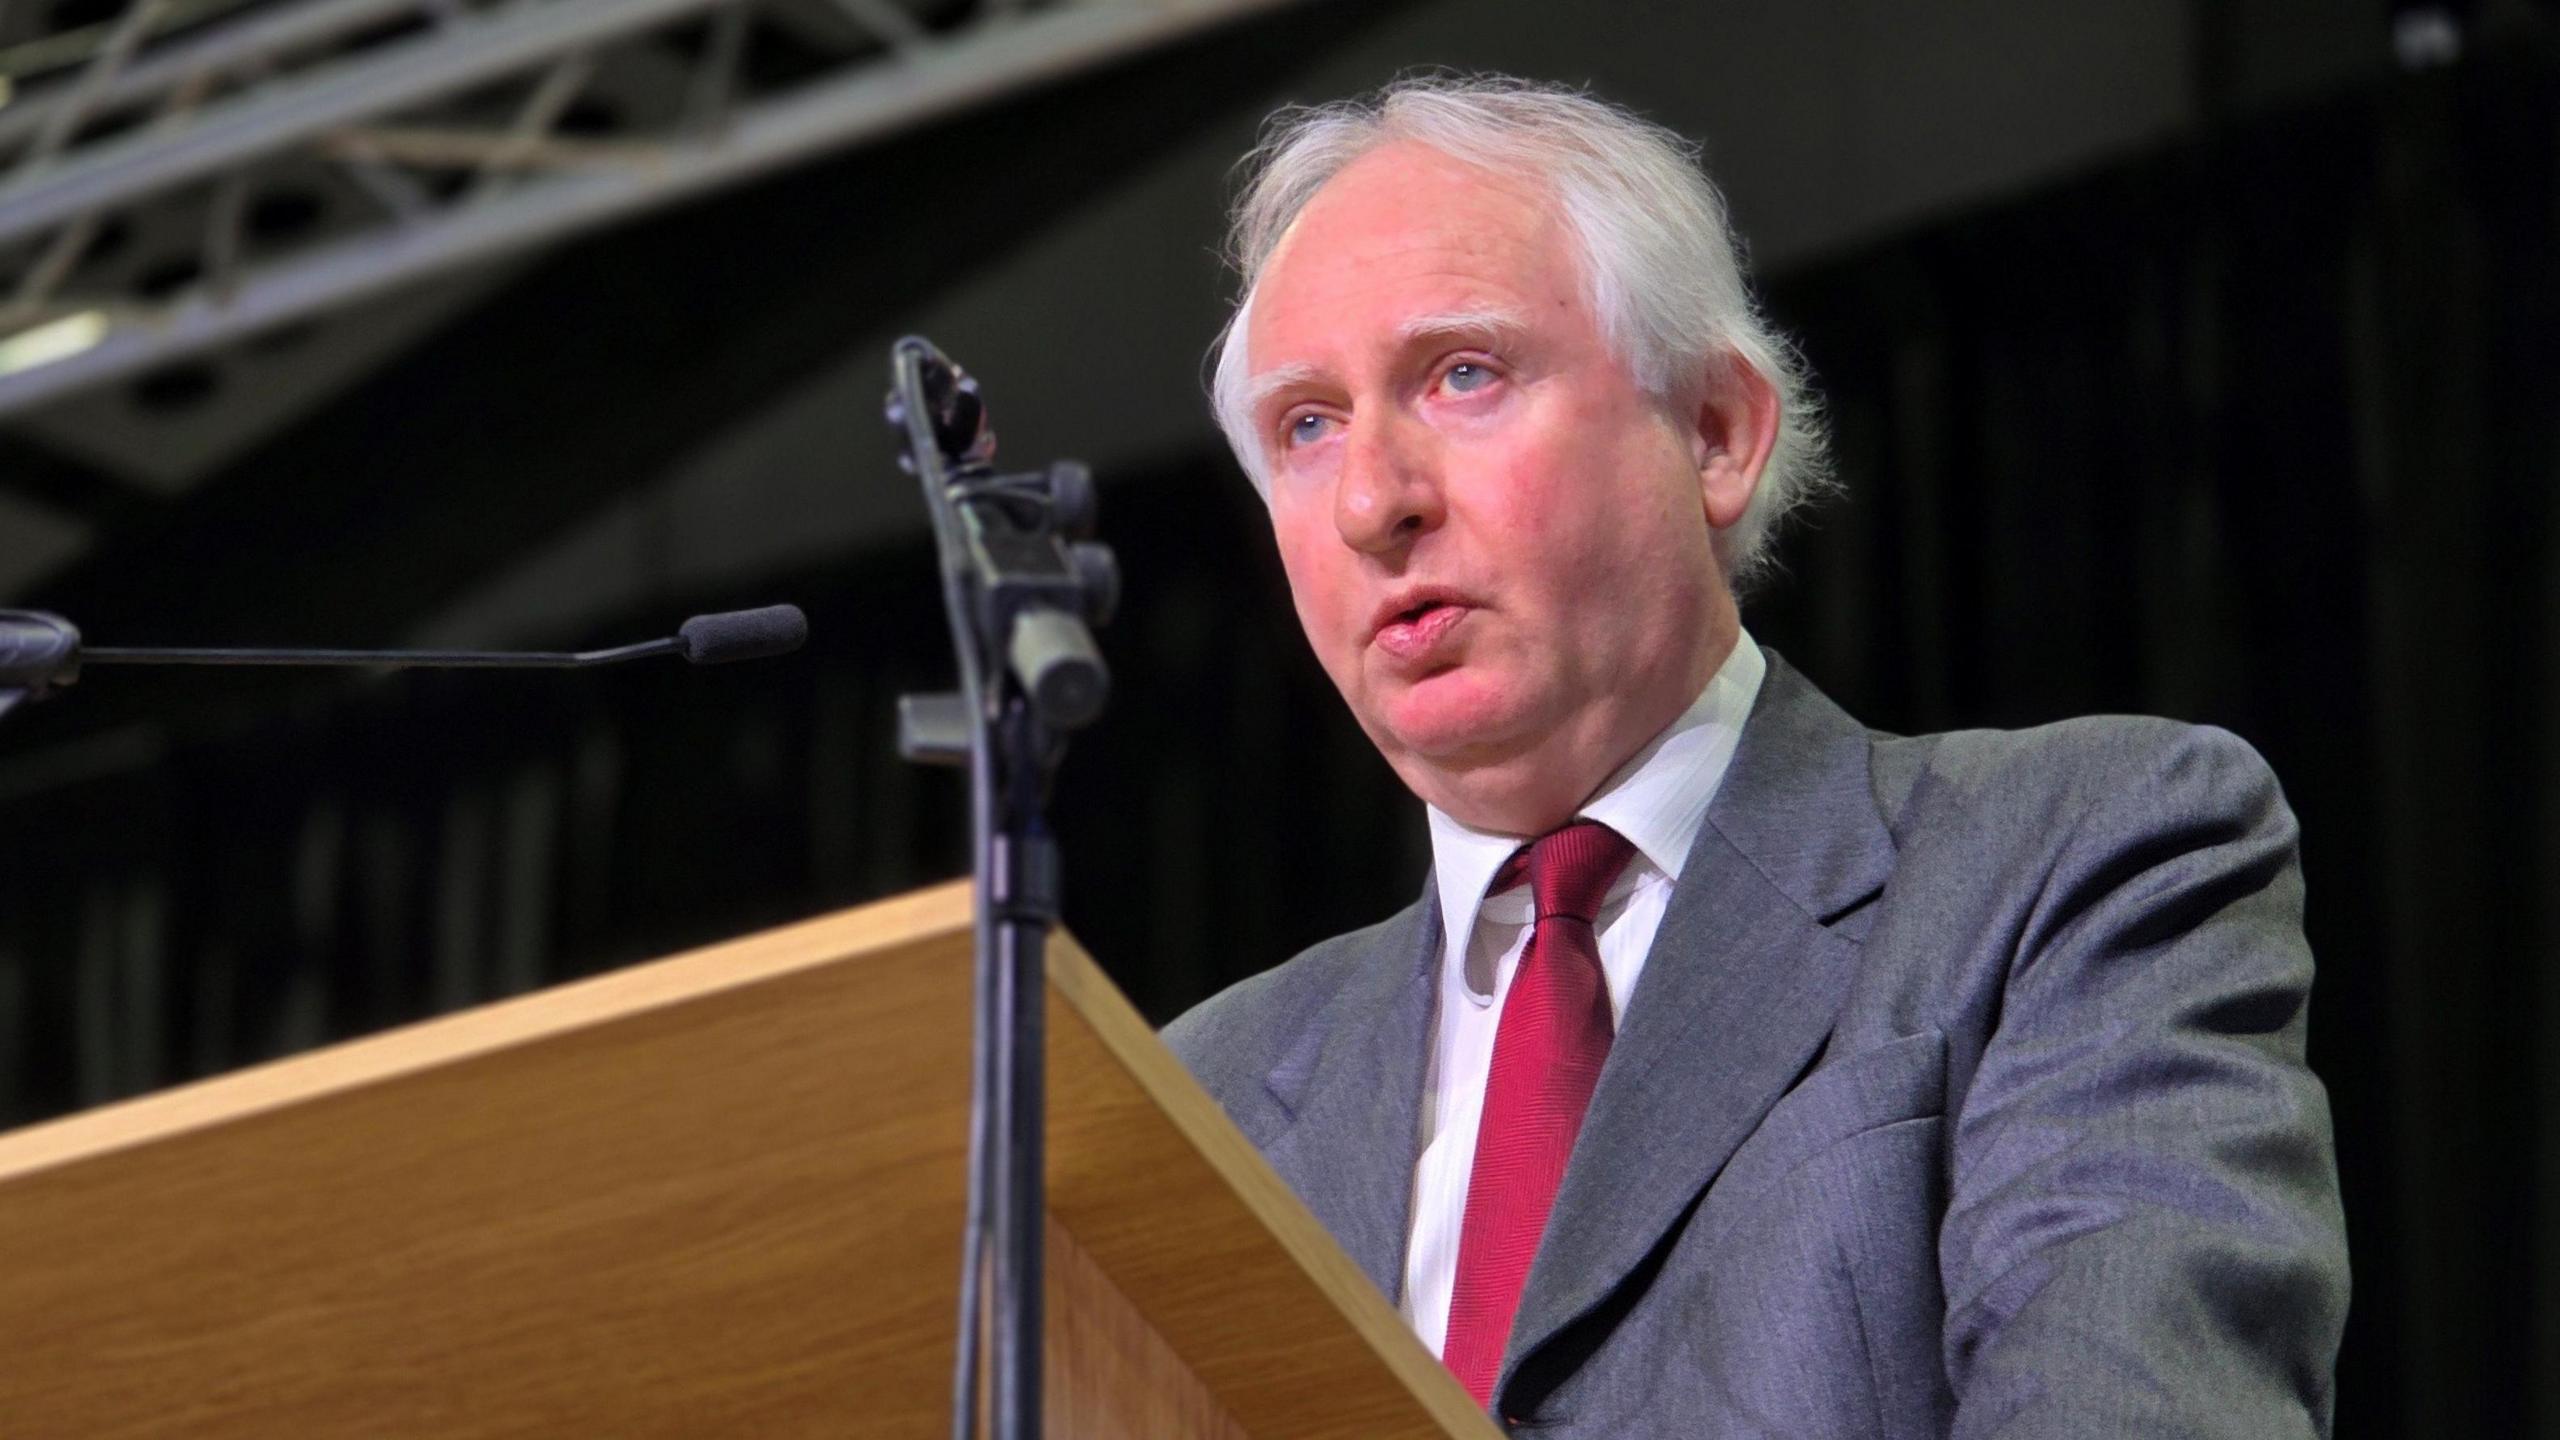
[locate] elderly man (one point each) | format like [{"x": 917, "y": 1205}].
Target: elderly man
[{"x": 1740, "y": 1070}]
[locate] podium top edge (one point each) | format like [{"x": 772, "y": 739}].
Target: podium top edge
[{"x": 938, "y": 913}]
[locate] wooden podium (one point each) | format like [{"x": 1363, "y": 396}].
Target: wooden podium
[{"x": 718, "y": 1195}]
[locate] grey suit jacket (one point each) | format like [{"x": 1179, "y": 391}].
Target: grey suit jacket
[{"x": 1962, "y": 1094}]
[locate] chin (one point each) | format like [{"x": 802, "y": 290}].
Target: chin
[{"x": 1453, "y": 719}]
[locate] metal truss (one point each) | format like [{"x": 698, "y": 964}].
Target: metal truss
[{"x": 450, "y": 118}]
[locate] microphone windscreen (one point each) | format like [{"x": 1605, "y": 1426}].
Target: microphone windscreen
[{"x": 743, "y": 635}]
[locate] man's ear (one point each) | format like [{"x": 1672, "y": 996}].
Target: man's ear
[{"x": 1736, "y": 426}]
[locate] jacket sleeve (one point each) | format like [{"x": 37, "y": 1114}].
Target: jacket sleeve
[{"x": 2143, "y": 1235}]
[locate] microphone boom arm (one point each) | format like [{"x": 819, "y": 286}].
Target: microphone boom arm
[
  {"x": 41, "y": 652},
  {"x": 382, "y": 659}
]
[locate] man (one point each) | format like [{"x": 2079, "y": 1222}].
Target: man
[{"x": 1817, "y": 1082}]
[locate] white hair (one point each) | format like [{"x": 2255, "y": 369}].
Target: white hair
[{"x": 1660, "y": 263}]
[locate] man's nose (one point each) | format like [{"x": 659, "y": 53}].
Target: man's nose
[{"x": 1390, "y": 490}]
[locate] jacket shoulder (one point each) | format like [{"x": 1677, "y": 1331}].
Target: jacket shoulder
[
  {"x": 2048, "y": 773},
  {"x": 1235, "y": 1037}
]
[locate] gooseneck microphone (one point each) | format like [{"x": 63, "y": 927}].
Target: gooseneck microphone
[
  {"x": 39, "y": 651},
  {"x": 742, "y": 635}
]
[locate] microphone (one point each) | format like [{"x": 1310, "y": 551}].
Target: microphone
[
  {"x": 38, "y": 650},
  {"x": 742, "y": 635}
]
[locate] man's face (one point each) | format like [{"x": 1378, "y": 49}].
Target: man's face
[{"x": 1497, "y": 544}]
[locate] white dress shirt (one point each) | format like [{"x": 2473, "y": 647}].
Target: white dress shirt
[{"x": 1656, "y": 800}]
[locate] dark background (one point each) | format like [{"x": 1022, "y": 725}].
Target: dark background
[{"x": 2188, "y": 359}]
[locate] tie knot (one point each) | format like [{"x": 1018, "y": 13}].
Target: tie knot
[{"x": 1569, "y": 869}]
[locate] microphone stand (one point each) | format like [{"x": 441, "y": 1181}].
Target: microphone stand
[{"x": 1021, "y": 585}]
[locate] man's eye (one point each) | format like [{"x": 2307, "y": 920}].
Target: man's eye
[
  {"x": 1306, "y": 429},
  {"x": 1466, "y": 377}
]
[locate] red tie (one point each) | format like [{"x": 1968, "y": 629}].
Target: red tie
[{"x": 1547, "y": 1053}]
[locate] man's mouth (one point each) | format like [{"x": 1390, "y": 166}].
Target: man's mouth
[{"x": 1415, "y": 631}]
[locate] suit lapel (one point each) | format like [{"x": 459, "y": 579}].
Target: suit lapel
[
  {"x": 1738, "y": 993},
  {"x": 1352, "y": 1087}
]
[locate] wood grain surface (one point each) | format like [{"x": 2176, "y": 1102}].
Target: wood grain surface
[{"x": 718, "y": 1195}]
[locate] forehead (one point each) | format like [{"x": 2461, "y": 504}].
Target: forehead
[{"x": 1403, "y": 232}]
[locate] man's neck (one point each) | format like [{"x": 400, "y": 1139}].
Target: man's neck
[
  {"x": 1657, "y": 799},
  {"x": 1535, "y": 790}
]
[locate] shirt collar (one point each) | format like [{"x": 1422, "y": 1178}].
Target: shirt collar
[{"x": 1656, "y": 799}]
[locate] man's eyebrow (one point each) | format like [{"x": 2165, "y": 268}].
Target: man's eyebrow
[
  {"x": 1272, "y": 382},
  {"x": 1500, "y": 325}
]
